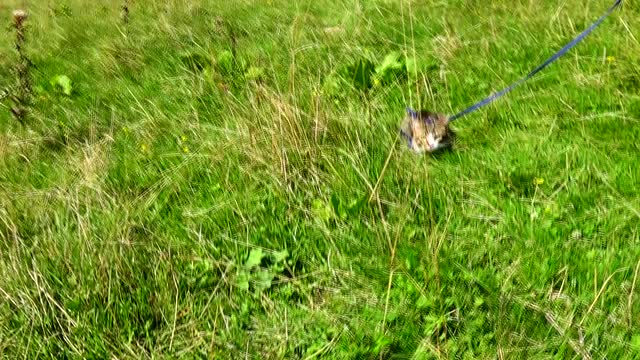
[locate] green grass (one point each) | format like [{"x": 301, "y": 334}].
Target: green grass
[{"x": 154, "y": 214}]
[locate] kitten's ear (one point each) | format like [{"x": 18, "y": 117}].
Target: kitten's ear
[{"x": 412, "y": 112}]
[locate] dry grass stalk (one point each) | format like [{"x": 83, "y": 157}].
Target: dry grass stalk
[{"x": 21, "y": 99}]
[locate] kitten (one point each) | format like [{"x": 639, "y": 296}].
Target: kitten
[{"x": 427, "y": 131}]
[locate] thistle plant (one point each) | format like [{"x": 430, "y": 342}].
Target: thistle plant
[
  {"x": 125, "y": 12},
  {"x": 22, "y": 96}
]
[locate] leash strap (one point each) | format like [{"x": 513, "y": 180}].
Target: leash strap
[{"x": 553, "y": 58}]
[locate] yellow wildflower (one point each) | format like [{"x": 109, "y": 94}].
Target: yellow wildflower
[
  {"x": 538, "y": 181},
  {"x": 611, "y": 59}
]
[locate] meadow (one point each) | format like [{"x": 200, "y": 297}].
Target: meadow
[{"x": 225, "y": 180}]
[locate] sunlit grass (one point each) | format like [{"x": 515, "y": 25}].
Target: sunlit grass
[{"x": 215, "y": 187}]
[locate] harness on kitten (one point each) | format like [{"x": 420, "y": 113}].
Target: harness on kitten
[
  {"x": 409, "y": 137},
  {"x": 550, "y": 60}
]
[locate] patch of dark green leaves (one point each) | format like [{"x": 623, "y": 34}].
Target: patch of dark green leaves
[
  {"x": 223, "y": 67},
  {"x": 363, "y": 74},
  {"x": 254, "y": 277}
]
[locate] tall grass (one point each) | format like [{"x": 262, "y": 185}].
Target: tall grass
[{"x": 213, "y": 187}]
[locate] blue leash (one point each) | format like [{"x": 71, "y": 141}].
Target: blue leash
[{"x": 553, "y": 58}]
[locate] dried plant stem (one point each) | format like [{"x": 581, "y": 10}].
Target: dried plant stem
[
  {"x": 125, "y": 12},
  {"x": 22, "y": 97}
]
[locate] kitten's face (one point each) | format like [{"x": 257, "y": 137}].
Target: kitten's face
[{"x": 428, "y": 131}]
